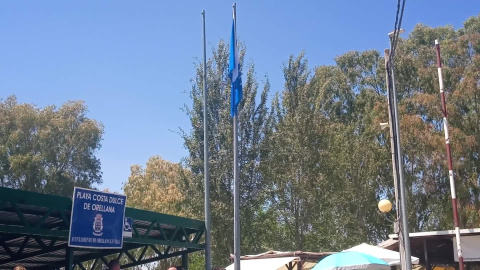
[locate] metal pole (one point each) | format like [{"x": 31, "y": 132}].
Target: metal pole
[
  {"x": 236, "y": 212},
  {"x": 449, "y": 157},
  {"x": 185, "y": 261},
  {"x": 401, "y": 180},
  {"x": 390, "y": 125},
  {"x": 69, "y": 258},
  {"x": 208, "y": 254},
  {"x": 394, "y": 159},
  {"x": 425, "y": 251}
]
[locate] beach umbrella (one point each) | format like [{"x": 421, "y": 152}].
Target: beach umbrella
[{"x": 351, "y": 260}]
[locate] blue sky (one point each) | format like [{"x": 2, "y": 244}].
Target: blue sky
[{"x": 132, "y": 61}]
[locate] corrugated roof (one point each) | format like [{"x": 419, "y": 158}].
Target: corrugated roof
[{"x": 34, "y": 233}]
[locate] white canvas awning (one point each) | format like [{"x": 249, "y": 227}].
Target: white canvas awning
[
  {"x": 389, "y": 256},
  {"x": 263, "y": 264}
]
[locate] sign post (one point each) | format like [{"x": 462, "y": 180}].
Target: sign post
[{"x": 97, "y": 219}]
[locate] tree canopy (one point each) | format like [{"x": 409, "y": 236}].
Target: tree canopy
[{"x": 48, "y": 150}]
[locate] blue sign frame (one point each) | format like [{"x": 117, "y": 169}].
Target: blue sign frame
[{"x": 97, "y": 219}]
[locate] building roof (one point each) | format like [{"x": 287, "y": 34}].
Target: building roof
[
  {"x": 34, "y": 231},
  {"x": 438, "y": 244},
  {"x": 440, "y": 234}
]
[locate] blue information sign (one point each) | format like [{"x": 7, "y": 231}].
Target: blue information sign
[{"x": 97, "y": 219}]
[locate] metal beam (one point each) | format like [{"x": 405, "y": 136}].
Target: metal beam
[
  {"x": 52, "y": 256},
  {"x": 33, "y": 231},
  {"x": 8, "y": 250},
  {"x": 198, "y": 235},
  {"x": 32, "y": 254},
  {"x": 162, "y": 231},
  {"x": 105, "y": 253},
  {"x": 63, "y": 204},
  {"x": 63, "y": 235},
  {"x": 94, "y": 264},
  {"x": 130, "y": 256},
  {"x": 154, "y": 241},
  {"x": 24, "y": 243},
  {"x": 174, "y": 254},
  {"x": 143, "y": 253},
  {"x": 33, "y": 261},
  {"x": 138, "y": 214},
  {"x": 81, "y": 266},
  {"x": 60, "y": 222},
  {"x": 147, "y": 233},
  {"x": 34, "y": 198}
]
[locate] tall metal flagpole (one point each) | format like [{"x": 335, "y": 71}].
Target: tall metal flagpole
[
  {"x": 236, "y": 211},
  {"x": 208, "y": 254},
  {"x": 401, "y": 179},
  {"x": 449, "y": 157}
]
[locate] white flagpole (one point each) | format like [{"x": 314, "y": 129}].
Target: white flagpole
[
  {"x": 236, "y": 211},
  {"x": 208, "y": 254}
]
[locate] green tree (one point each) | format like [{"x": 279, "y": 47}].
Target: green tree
[
  {"x": 293, "y": 165},
  {"x": 359, "y": 159},
  {"x": 253, "y": 128},
  {"x": 159, "y": 187},
  {"x": 48, "y": 150},
  {"x": 422, "y": 123},
  {"x": 326, "y": 152}
]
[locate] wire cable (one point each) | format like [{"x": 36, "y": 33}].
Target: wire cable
[
  {"x": 397, "y": 27},
  {"x": 394, "y": 30}
]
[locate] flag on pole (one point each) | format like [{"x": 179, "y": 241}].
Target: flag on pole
[{"x": 234, "y": 71}]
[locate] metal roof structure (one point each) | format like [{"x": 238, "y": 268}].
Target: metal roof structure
[
  {"x": 34, "y": 231},
  {"x": 440, "y": 234},
  {"x": 433, "y": 247}
]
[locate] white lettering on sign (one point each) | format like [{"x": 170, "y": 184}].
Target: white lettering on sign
[
  {"x": 103, "y": 208},
  {"x": 116, "y": 200},
  {"x": 95, "y": 240},
  {"x": 100, "y": 198},
  {"x": 83, "y": 195}
]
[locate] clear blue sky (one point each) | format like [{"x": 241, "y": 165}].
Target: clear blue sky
[{"x": 131, "y": 61}]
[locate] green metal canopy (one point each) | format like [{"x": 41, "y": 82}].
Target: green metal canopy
[{"x": 34, "y": 233}]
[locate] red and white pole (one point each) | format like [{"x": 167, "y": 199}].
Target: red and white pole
[{"x": 449, "y": 157}]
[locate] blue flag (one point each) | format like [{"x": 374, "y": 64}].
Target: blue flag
[{"x": 234, "y": 72}]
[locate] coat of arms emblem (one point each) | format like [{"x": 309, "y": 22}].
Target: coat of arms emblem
[{"x": 98, "y": 225}]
